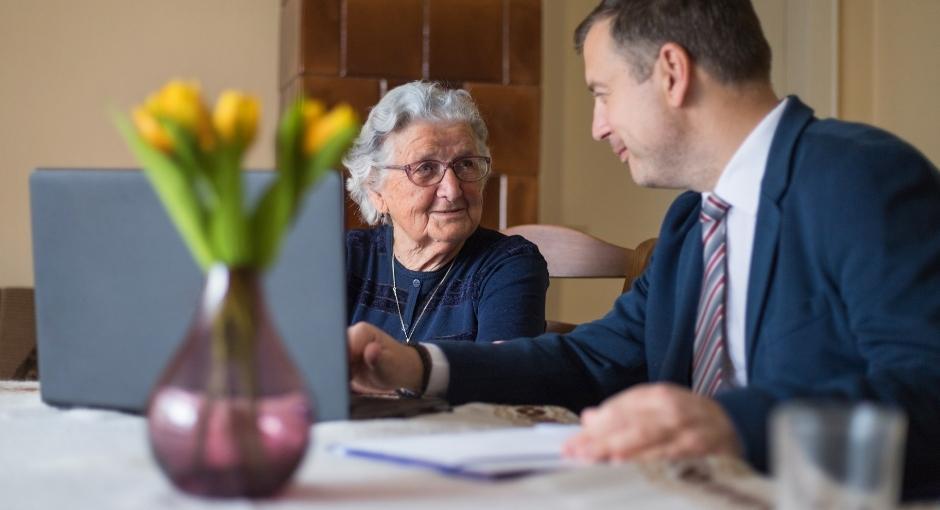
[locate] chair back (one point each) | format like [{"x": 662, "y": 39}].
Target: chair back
[
  {"x": 17, "y": 333},
  {"x": 570, "y": 253}
]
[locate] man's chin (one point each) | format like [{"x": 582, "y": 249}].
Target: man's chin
[
  {"x": 641, "y": 178},
  {"x": 646, "y": 179}
]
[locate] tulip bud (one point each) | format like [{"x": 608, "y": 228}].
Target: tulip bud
[
  {"x": 318, "y": 133},
  {"x": 312, "y": 110},
  {"x": 236, "y": 117},
  {"x": 182, "y": 103},
  {"x": 151, "y": 130}
]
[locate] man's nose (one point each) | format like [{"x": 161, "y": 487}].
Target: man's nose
[{"x": 600, "y": 130}]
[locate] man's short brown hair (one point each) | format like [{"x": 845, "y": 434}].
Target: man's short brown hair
[{"x": 722, "y": 36}]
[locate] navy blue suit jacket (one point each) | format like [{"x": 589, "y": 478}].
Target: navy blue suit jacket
[{"x": 843, "y": 300}]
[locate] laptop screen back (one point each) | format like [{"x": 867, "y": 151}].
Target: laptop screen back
[{"x": 116, "y": 289}]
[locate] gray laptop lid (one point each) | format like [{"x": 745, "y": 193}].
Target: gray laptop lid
[{"x": 116, "y": 288}]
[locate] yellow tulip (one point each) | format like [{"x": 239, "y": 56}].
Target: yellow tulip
[
  {"x": 151, "y": 130},
  {"x": 320, "y": 131},
  {"x": 236, "y": 117},
  {"x": 182, "y": 103},
  {"x": 312, "y": 110}
]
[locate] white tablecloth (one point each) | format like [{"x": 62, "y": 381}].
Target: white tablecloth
[{"x": 51, "y": 458}]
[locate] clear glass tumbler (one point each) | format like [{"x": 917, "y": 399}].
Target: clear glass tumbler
[{"x": 829, "y": 455}]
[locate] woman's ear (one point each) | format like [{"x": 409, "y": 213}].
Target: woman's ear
[{"x": 378, "y": 201}]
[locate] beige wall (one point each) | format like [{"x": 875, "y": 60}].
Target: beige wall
[
  {"x": 583, "y": 185},
  {"x": 869, "y": 60},
  {"x": 890, "y": 68},
  {"x": 66, "y": 62}
]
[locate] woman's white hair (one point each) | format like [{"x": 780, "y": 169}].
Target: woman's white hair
[{"x": 412, "y": 102}]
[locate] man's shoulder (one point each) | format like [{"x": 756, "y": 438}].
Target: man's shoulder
[
  {"x": 859, "y": 136},
  {"x": 835, "y": 157},
  {"x": 855, "y": 145}
]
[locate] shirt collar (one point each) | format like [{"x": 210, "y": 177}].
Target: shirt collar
[{"x": 739, "y": 184}]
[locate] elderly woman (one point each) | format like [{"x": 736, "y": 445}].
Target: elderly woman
[{"x": 426, "y": 270}]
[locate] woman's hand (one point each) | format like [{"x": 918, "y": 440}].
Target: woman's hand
[{"x": 380, "y": 364}]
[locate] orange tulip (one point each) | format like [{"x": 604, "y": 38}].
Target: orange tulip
[
  {"x": 236, "y": 117},
  {"x": 321, "y": 130}
]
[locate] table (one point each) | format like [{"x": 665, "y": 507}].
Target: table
[{"x": 81, "y": 458}]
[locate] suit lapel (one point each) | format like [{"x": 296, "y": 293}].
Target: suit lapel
[
  {"x": 677, "y": 365},
  {"x": 767, "y": 233}
]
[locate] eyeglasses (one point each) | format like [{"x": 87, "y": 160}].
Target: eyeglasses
[{"x": 431, "y": 171}]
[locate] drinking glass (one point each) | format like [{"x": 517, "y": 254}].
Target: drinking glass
[{"x": 837, "y": 455}]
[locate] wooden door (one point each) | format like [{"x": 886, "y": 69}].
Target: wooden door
[{"x": 356, "y": 50}]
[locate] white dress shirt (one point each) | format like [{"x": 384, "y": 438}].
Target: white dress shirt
[{"x": 739, "y": 186}]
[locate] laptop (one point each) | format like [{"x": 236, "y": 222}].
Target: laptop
[{"x": 116, "y": 289}]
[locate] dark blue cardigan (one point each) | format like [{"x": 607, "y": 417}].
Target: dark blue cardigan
[{"x": 496, "y": 289}]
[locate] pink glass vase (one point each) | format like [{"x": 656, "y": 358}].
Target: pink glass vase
[{"x": 230, "y": 416}]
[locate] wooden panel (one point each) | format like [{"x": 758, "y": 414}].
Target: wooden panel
[
  {"x": 289, "y": 50},
  {"x": 522, "y": 200},
  {"x": 510, "y": 200},
  {"x": 289, "y": 92},
  {"x": 360, "y": 93},
  {"x": 490, "y": 217},
  {"x": 525, "y": 36},
  {"x": 447, "y": 84},
  {"x": 17, "y": 332},
  {"x": 356, "y": 50},
  {"x": 465, "y": 40},
  {"x": 512, "y": 114},
  {"x": 384, "y": 39},
  {"x": 319, "y": 36},
  {"x": 392, "y": 83}
]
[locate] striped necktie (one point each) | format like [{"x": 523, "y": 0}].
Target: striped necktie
[{"x": 711, "y": 366}]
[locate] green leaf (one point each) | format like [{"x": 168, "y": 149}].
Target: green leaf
[
  {"x": 184, "y": 147},
  {"x": 173, "y": 186},
  {"x": 289, "y": 147},
  {"x": 270, "y": 222},
  {"x": 273, "y": 212},
  {"x": 200, "y": 167},
  {"x": 228, "y": 226},
  {"x": 328, "y": 157}
]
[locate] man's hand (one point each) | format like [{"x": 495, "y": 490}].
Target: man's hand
[
  {"x": 380, "y": 364},
  {"x": 654, "y": 421}
]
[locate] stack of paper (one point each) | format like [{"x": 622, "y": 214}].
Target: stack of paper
[{"x": 488, "y": 454}]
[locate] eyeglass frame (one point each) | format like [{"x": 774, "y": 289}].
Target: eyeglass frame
[{"x": 447, "y": 165}]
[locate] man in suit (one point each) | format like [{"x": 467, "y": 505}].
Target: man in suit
[{"x": 802, "y": 262}]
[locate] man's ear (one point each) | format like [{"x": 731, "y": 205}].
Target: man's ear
[{"x": 674, "y": 67}]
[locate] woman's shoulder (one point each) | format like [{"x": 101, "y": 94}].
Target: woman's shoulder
[
  {"x": 365, "y": 239},
  {"x": 364, "y": 248},
  {"x": 503, "y": 260},
  {"x": 499, "y": 245}
]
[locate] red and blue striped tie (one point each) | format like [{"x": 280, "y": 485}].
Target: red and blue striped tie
[{"x": 711, "y": 366}]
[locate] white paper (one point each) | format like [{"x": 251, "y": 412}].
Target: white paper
[{"x": 495, "y": 453}]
